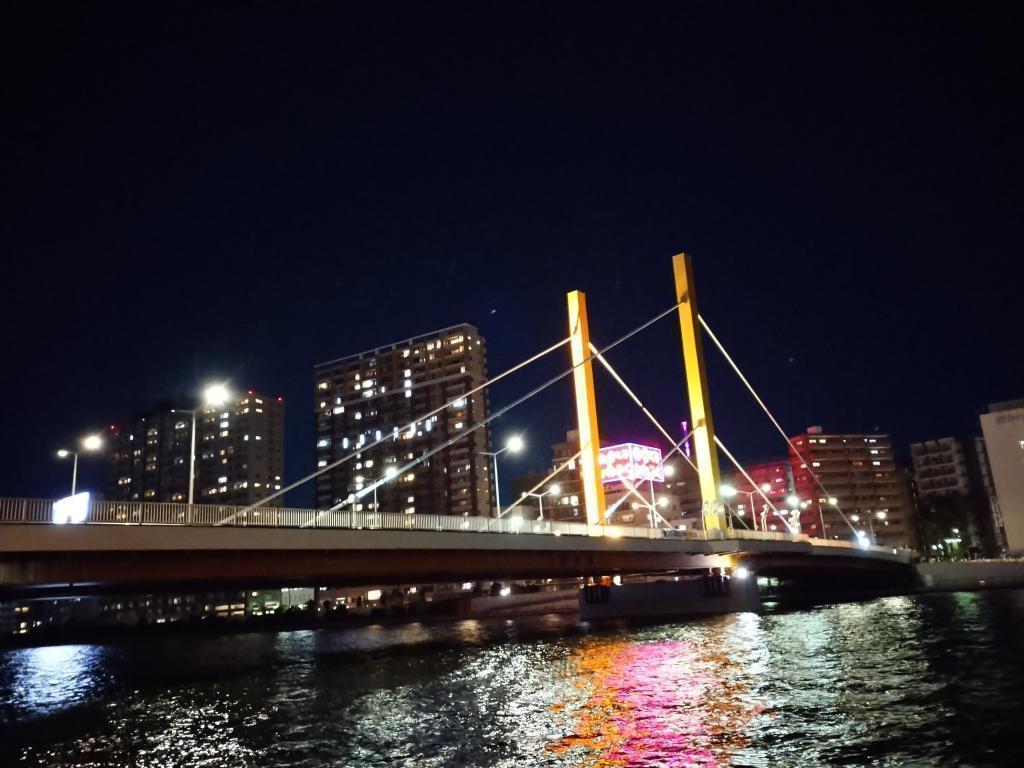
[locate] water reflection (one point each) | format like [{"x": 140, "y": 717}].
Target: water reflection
[
  {"x": 663, "y": 701},
  {"x": 45, "y": 680},
  {"x": 936, "y": 680}
]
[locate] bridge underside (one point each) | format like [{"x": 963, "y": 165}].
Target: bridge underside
[
  {"x": 81, "y": 559},
  {"x": 259, "y": 568}
]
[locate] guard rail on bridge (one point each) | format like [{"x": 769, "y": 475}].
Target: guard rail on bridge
[{"x": 41, "y": 512}]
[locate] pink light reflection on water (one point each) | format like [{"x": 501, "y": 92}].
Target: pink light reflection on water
[{"x": 657, "y": 704}]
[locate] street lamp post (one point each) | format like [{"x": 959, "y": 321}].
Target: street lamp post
[
  {"x": 214, "y": 395},
  {"x": 91, "y": 443},
  {"x": 553, "y": 490},
  {"x": 513, "y": 444}
]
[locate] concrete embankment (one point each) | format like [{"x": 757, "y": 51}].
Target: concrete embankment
[{"x": 969, "y": 574}]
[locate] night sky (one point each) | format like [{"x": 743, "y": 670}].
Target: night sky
[{"x": 223, "y": 191}]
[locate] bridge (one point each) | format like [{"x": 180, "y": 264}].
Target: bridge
[
  {"x": 177, "y": 546},
  {"x": 128, "y": 545}
]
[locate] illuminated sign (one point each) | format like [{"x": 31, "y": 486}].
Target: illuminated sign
[
  {"x": 631, "y": 462},
  {"x": 71, "y": 509}
]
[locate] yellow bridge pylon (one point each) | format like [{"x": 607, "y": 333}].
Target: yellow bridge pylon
[{"x": 703, "y": 436}]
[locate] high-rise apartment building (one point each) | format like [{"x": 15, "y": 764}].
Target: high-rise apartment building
[
  {"x": 240, "y": 450},
  {"x": 239, "y": 453},
  {"x": 1003, "y": 427},
  {"x": 957, "y": 476},
  {"x": 148, "y": 456},
  {"x": 383, "y": 396},
  {"x": 859, "y": 472},
  {"x": 940, "y": 468}
]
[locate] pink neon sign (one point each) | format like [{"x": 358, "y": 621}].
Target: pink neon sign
[{"x": 631, "y": 462}]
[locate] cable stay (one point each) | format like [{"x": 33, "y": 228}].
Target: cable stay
[
  {"x": 448, "y": 443},
  {"x": 806, "y": 464}
]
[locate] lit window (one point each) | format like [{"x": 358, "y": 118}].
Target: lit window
[
  {"x": 323, "y": 442},
  {"x": 322, "y": 385},
  {"x": 222, "y": 479}
]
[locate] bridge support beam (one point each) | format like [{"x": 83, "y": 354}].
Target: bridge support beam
[
  {"x": 705, "y": 450},
  {"x": 586, "y": 407}
]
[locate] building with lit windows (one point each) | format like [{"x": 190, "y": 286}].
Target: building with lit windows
[
  {"x": 373, "y": 407},
  {"x": 240, "y": 450},
  {"x": 859, "y": 472},
  {"x": 239, "y": 453},
  {"x": 773, "y": 479},
  {"x": 1003, "y": 427}
]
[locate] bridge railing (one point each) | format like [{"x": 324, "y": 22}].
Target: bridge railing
[{"x": 40, "y": 511}]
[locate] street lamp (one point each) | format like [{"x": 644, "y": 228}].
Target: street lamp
[
  {"x": 214, "y": 396},
  {"x": 90, "y": 443},
  {"x": 513, "y": 444},
  {"x": 554, "y": 490}
]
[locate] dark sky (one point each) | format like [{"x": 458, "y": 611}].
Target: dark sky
[{"x": 208, "y": 191}]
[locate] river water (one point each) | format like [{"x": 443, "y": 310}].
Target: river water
[{"x": 933, "y": 680}]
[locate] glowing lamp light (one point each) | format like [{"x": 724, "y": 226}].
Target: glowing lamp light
[
  {"x": 765, "y": 487},
  {"x": 727, "y": 491},
  {"x": 741, "y": 573},
  {"x": 63, "y": 453},
  {"x": 92, "y": 442},
  {"x": 71, "y": 509},
  {"x": 515, "y": 444},
  {"x": 862, "y": 539},
  {"x": 793, "y": 501},
  {"x": 669, "y": 470},
  {"x": 555, "y": 488},
  {"x": 390, "y": 472},
  {"x": 216, "y": 394},
  {"x": 833, "y": 501}
]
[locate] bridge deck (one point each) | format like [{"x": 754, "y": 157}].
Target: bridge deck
[{"x": 150, "y": 544}]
